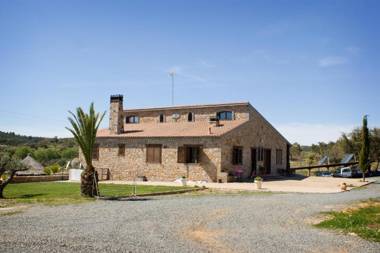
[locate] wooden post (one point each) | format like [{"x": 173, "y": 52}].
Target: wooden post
[{"x": 309, "y": 172}]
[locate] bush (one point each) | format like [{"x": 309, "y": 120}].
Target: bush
[
  {"x": 52, "y": 169},
  {"x": 47, "y": 170}
]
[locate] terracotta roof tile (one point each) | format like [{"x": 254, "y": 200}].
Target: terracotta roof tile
[{"x": 173, "y": 129}]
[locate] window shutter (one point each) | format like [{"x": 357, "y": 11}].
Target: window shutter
[
  {"x": 181, "y": 155},
  {"x": 157, "y": 154},
  {"x": 149, "y": 155}
]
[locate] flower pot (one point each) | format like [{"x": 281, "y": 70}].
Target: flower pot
[{"x": 259, "y": 184}]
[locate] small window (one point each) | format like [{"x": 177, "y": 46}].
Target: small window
[
  {"x": 162, "y": 118},
  {"x": 190, "y": 117},
  {"x": 189, "y": 154},
  {"x": 132, "y": 119},
  {"x": 278, "y": 156},
  {"x": 225, "y": 115},
  {"x": 95, "y": 152},
  {"x": 121, "y": 150},
  {"x": 153, "y": 153},
  {"x": 237, "y": 156}
]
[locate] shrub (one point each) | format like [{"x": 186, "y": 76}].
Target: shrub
[
  {"x": 52, "y": 169},
  {"x": 47, "y": 170}
]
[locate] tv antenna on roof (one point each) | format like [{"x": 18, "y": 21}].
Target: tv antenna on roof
[{"x": 172, "y": 74}]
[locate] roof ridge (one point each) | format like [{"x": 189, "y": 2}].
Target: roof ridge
[{"x": 188, "y": 106}]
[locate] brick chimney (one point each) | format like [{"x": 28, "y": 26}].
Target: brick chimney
[{"x": 116, "y": 114}]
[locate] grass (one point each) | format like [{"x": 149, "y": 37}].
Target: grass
[
  {"x": 57, "y": 193},
  {"x": 363, "y": 220}
]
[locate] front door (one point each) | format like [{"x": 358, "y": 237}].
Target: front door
[
  {"x": 253, "y": 162},
  {"x": 267, "y": 161}
]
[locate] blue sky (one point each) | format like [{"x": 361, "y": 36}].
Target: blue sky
[{"x": 310, "y": 67}]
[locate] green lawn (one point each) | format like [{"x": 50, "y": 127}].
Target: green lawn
[
  {"x": 55, "y": 193},
  {"x": 363, "y": 221}
]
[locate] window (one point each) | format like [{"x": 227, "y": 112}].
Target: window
[
  {"x": 278, "y": 156},
  {"x": 95, "y": 152},
  {"x": 190, "y": 117},
  {"x": 121, "y": 150},
  {"x": 237, "y": 156},
  {"x": 153, "y": 153},
  {"x": 133, "y": 119},
  {"x": 162, "y": 118},
  {"x": 225, "y": 115},
  {"x": 189, "y": 154}
]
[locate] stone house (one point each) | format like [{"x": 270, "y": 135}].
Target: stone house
[{"x": 215, "y": 143}]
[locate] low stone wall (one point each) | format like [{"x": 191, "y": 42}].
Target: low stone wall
[{"x": 29, "y": 179}]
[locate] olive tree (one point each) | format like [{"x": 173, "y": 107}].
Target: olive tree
[{"x": 8, "y": 167}]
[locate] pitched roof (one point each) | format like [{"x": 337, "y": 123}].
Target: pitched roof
[
  {"x": 34, "y": 167},
  {"x": 179, "y": 107},
  {"x": 173, "y": 129}
]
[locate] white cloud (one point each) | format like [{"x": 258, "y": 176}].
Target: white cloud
[
  {"x": 307, "y": 134},
  {"x": 332, "y": 61}
]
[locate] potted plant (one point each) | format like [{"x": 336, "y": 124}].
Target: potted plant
[
  {"x": 184, "y": 181},
  {"x": 258, "y": 181}
]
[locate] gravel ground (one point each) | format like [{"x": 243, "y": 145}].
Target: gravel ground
[{"x": 186, "y": 223}]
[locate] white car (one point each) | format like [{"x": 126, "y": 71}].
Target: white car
[{"x": 343, "y": 172}]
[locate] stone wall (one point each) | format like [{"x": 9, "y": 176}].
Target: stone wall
[
  {"x": 134, "y": 164},
  {"x": 200, "y": 114},
  {"x": 44, "y": 178},
  {"x": 253, "y": 134}
]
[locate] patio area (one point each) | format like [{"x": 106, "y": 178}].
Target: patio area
[{"x": 289, "y": 184}]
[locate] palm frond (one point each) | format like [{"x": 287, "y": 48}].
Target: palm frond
[{"x": 84, "y": 129}]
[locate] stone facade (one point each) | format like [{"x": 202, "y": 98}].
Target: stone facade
[
  {"x": 215, "y": 162},
  {"x": 202, "y": 113},
  {"x": 256, "y": 133},
  {"x": 133, "y": 164}
]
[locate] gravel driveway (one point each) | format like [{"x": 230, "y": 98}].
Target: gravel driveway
[{"x": 186, "y": 223}]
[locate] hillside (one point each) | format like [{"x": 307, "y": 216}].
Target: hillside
[{"x": 12, "y": 139}]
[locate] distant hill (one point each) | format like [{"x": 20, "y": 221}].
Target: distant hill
[{"x": 12, "y": 139}]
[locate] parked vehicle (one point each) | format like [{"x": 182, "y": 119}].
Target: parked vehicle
[
  {"x": 323, "y": 174},
  {"x": 347, "y": 172}
]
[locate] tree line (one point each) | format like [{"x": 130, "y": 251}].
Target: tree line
[
  {"x": 348, "y": 143},
  {"x": 47, "y": 151}
]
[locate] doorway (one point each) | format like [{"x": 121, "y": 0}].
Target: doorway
[
  {"x": 253, "y": 162},
  {"x": 267, "y": 161}
]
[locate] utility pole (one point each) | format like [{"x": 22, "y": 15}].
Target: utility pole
[{"x": 172, "y": 74}]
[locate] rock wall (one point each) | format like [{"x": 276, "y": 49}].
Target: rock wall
[{"x": 134, "y": 164}]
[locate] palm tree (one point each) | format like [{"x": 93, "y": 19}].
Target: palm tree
[{"x": 84, "y": 128}]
